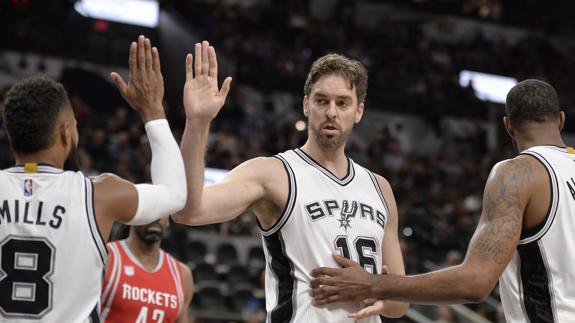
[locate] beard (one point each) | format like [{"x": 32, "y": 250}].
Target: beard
[
  {"x": 149, "y": 237},
  {"x": 329, "y": 142},
  {"x": 72, "y": 162}
]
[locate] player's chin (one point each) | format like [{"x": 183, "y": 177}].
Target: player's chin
[{"x": 154, "y": 236}]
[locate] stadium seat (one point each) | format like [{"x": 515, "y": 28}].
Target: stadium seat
[
  {"x": 204, "y": 272},
  {"x": 226, "y": 254},
  {"x": 238, "y": 274},
  {"x": 196, "y": 251},
  {"x": 241, "y": 297},
  {"x": 211, "y": 298}
]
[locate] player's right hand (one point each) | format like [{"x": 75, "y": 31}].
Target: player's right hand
[
  {"x": 145, "y": 88},
  {"x": 203, "y": 99}
]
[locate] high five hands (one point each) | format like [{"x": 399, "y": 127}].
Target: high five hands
[
  {"x": 145, "y": 88},
  {"x": 203, "y": 99}
]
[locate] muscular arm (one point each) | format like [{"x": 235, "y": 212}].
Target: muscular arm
[
  {"x": 188, "y": 294},
  {"x": 507, "y": 193}
]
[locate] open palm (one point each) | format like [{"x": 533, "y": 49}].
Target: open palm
[{"x": 202, "y": 97}]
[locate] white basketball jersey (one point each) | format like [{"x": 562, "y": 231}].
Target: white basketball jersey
[
  {"x": 51, "y": 252},
  {"x": 538, "y": 285},
  {"x": 323, "y": 214}
]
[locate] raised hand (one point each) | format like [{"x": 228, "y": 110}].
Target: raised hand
[
  {"x": 202, "y": 97},
  {"x": 350, "y": 283},
  {"x": 145, "y": 88}
]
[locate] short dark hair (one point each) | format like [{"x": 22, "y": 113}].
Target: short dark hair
[
  {"x": 353, "y": 71},
  {"x": 31, "y": 108},
  {"x": 531, "y": 101}
]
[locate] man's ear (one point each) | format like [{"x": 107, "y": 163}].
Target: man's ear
[
  {"x": 67, "y": 133},
  {"x": 561, "y": 120},
  {"x": 305, "y": 106},
  {"x": 508, "y": 126},
  {"x": 359, "y": 113}
]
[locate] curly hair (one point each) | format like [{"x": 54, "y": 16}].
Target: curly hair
[
  {"x": 353, "y": 71},
  {"x": 31, "y": 108},
  {"x": 531, "y": 101}
]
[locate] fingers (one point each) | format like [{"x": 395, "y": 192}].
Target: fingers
[
  {"x": 205, "y": 59},
  {"x": 225, "y": 88},
  {"x": 133, "y": 60},
  {"x": 141, "y": 54},
  {"x": 384, "y": 270},
  {"x": 189, "y": 67},
  {"x": 120, "y": 84},
  {"x": 148, "y": 54},
  {"x": 344, "y": 262},
  {"x": 368, "y": 311},
  {"x": 323, "y": 271},
  {"x": 213, "y": 60},
  {"x": 198, "y": 60},
  {"x": 156, "y": 61}
]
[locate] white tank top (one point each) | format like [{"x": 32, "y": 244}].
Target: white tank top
[
  {"x": 538, "y": 285},
  {"x": 52, "y": 254},
  {"x": 323, "y": 214}
]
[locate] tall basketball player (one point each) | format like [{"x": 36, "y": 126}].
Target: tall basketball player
[
  {"x": 523, "y": 237},
  {"x": 143, "y": 283},
  {"x": 310, "y": 201},
  {"x": 54, "y": 222}
]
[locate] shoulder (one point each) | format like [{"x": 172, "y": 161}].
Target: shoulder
[
  {"x": 259, "y": 167},
  {"x": 106, "y": 178},
  {"x": 523, "y": 166},
  {"x": 383, "y": 184}
]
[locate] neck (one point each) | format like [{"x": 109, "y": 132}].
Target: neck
[
  {"x": 332, "y": 159},
  {"x": 147, "y": 254},
  {"x": 539, "y": 137},
  {"x": 46, "y": 156}
]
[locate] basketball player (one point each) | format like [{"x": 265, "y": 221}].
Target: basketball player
[
  {"x": 523, "y": 237},
  {"x": 309, "y": 201},
  {"x": 143, "y": 283},
  {"x": 54, "y": 222}
]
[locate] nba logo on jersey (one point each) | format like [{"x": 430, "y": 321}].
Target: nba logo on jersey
[
  {"x": 129, "y": 270},
  {"x": 28, "y": 187}
]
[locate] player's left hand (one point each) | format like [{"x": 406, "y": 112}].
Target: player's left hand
[
  {"x": 350, "y": 283},
  {"x": 374, "y": 306}
]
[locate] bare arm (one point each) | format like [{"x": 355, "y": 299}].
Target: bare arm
[
  {"x": 506, "y": 196},
  {"x": 188, "y": 282},
  {"x": 244, "y": 185},
  {"x": 240, "y": 189}
]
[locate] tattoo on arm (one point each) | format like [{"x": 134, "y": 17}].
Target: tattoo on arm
[{"x": 503, "y": 206}]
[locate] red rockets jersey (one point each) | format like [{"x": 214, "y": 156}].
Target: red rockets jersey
[{"x": 133, "y": 294}]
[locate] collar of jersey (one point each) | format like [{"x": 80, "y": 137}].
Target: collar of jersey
[
  {"x": 42, "y": 168},
  {"x": 343, "y": 181}
]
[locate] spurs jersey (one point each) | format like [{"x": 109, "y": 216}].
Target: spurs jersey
[
  {"x": 323, "y": 214},
  {"x": 51, "y": 252},
  {"x": 133, "y": 294},
  {"x": 538, "y": 284}
]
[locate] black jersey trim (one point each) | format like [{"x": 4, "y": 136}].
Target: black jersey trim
[
  {"x": 541, "y": 229},
  {"x": 283, "y": 268},
  {"x": 536, "y": 284},
  {"x": 379, "y": 190},
  {"x": 290, "y": 203},
  {"x": 343, "y": 182},
  {"x": 94, "y": 231}
]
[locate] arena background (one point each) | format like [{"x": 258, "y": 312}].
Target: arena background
[{"x": 433, "y": 138}]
